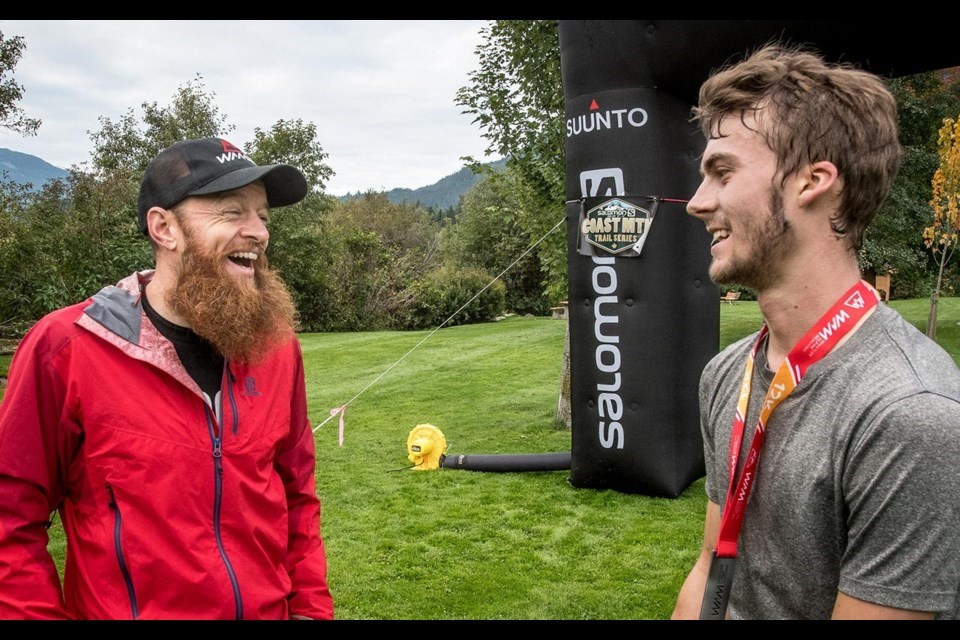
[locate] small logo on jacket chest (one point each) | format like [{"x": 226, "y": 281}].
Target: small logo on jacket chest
[{"x": 250, "y": 387}]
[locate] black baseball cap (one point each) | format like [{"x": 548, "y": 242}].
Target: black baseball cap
[{"x": 211, "y": 165}]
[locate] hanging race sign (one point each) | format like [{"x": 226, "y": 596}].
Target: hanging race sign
[{"x": 618, "y": 226}]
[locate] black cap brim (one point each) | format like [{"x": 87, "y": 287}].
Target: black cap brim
[{"x": 284, "y": 183}]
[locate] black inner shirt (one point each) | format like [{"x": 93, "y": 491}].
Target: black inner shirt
[{"x": 201, "y": 360}]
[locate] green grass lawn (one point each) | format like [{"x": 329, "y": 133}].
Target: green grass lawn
[{"x": 454, "y": 544}]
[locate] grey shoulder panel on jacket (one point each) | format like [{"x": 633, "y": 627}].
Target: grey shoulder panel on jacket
[{"x": 118, "y": 311}]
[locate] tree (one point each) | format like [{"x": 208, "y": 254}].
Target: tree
[
  {"x": 488, "y": 235},
  {"x": 301, "y": 248},
  {"x": 128, "y": 146},
  {"x": 76, "y": 234},
  {"x": 517, "y": 98},
  {"x": 382, "y": 248},
  {"x": 13, "y": 255},
  {"x": 893, "y": 241},
  {"x": 403, "y": 226},
  {"x": 292, "y": 142},
  {"x": 303, "y": 252},
  {"x": 13, "y": 117},
  {"x": 941, "y": 236}
]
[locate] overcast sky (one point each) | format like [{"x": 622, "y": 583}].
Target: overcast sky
[{"x": 381, "y": 93}]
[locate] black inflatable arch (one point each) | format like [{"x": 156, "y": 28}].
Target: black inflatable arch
[{"x": 644, "y": 317}]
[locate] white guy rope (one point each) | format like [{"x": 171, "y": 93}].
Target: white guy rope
[{"x": 343, "y": 407}]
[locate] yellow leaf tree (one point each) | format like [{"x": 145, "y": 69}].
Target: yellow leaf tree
[{"x": 941, "y": 236}]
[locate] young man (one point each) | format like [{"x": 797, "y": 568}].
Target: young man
[
  {"x": 166, "y": 419},
  {"x": 840, "y": 421}
]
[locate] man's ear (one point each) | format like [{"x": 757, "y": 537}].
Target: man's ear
[
  {"x": 816, "y": 181},
  {"x": 163, "y": 228}
]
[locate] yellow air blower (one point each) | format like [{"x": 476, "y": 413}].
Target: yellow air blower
[{"x": 425, "y": 447}]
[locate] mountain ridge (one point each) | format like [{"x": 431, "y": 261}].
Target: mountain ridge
[
  {"x": 24, "y": 168},
  {"x": 442, "y": 194}
]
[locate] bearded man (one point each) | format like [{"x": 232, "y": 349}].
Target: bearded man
[{"x": 165, "y": 419}]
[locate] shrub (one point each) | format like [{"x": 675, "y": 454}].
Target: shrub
[{"x": 440, "y": 294}]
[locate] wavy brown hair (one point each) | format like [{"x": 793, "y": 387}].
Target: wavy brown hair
[{"x": 814, "y": 111}]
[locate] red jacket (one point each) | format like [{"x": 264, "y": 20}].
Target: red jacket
[{"x": 169, "y": 510}]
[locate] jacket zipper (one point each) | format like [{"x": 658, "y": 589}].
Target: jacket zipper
[
  {"x": 117, "y": 525},
  {"x": 217, "y": 495}
]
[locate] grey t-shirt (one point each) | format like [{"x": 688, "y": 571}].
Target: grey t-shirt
[{"x": 858, "y": 485}]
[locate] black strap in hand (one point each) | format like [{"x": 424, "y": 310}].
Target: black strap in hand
[{"x": 716, "y": 594}]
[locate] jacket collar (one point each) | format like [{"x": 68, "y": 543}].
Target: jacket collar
[{"x": 116, "y": 315}]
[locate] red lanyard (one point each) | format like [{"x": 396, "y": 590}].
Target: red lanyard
[{"x": 817, "y": 343}]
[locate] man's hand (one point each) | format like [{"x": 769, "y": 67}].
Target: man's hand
[{"x": 691, "y": 593}]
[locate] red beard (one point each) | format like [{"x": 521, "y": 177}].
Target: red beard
[{"x": 244, "y": 319}]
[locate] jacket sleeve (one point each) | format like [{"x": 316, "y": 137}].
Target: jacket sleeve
[
  {"x": 306, "y": 560},
  {"x": 33, "y": 447}
]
